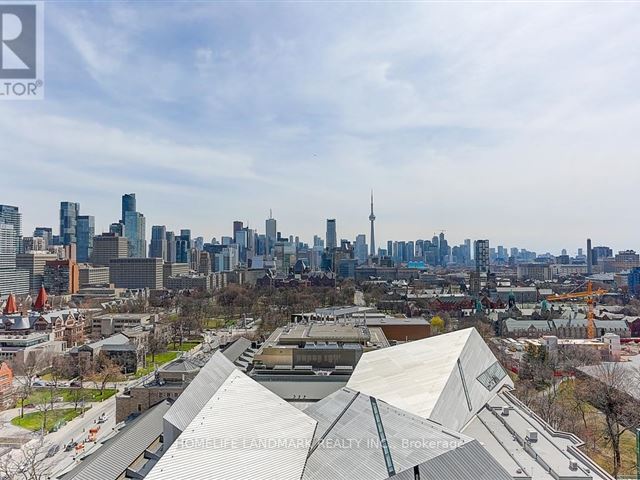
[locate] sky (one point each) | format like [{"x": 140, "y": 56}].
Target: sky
[{"x": 516, "y": 122}]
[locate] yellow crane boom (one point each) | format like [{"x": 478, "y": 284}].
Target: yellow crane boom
[{"x": 590, "y": 295}]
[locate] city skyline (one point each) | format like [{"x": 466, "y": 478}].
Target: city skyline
[
  {"x": 148, "y": 228},
  {"x": 485, "y": 127}
]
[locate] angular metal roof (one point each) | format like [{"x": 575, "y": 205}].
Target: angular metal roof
[
  {"x": 115, "y": 456},
  {"x": 236, "y": 349},
  {"x": 244, "y": 431},
  {"x": 360, "y": 438},
  {"x": 199, "y": 391},
  {"x": 435, "y": 378}
]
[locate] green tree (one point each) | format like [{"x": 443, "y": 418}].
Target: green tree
[{"x": 437, "y": 324}]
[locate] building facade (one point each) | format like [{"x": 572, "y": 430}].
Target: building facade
[{"x": 136, "y": 273}]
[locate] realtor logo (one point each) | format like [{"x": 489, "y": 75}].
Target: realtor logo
[
  {"x": 18, "y": 34},
  {"x": 21, "y": 55}
]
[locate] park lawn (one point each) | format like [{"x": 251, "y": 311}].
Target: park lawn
[
  {"x": 33, "y": 421},
  {"x": 161, "y": 359},
  {"x": 70, "y": 394},
  {"x": 215, "y": 323},
  {"x": 601, "y": 452},
  {"x": 185, "y": 347}
]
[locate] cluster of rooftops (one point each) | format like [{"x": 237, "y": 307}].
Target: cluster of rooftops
[{"x": 439, "y": 408}]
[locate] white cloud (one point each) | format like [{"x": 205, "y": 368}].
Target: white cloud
[{"x": 485, "y": 119}]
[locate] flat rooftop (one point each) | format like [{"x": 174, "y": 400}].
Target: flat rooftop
[{"x": 319, "y": 332}]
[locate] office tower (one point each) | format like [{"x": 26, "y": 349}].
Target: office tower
[
  {"x": 61, "y": 277},
  {"x": 136, "y": 272},
  {"x": 183, "y": 246},
  {"x": 158, "y": 245},
  {"x": 360, "y": 249},
  {"x": 237, "y": 226},
  {"x": 171, "y": 247},
  {"x": 93, "y": 276},
  {"x": 107, "y": 247},
  {"x": 12, "y": 279},
  {"x": 580, "y": 254},
  {"x": 600, "y": 253},
  {"x": 33, "y": 262},
  {"x": 401, "y": 251},
  {"x": 444, "y": 249},
  {"x": 135, "y": 232},
  {"x": 44, "y": 232},
  {"x": 271, "y": 234},
  {"x": 481, "y": 255},
  {"x": 69, "y": 212},
  {"x": 410, "y": 251},
  {"x": 589, "y": 257},
  {"x": 117, "y": 229},
  {"x": 128, "y": 205},
  {"x": 332, "y": 237},
  {"x": 11, "y": 216},
  {"x": 31, "y": 244},
  {"x": 205, "y": 263},
  {"x": 467, "y": 246},
  {"x": 633, "y": 281},
  {"x": 194, "y": 260},
  {"x": 198, "y": 243},
  {"x": 86, "y": 230},
  {"x": 372, "y": 219}
]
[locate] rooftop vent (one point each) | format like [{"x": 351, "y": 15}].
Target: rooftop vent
[
  {"x": 505, "y": 411},
  {"x": 573, "y": 465},
  {"x": 532, "y": 435}
]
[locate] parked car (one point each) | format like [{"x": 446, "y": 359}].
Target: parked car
[
  {"x": 102, "y": 418},
  {"x": 70, "y": 446},
  {"x": 76, "y": 383},
  {"x": 52, "y": 451}
]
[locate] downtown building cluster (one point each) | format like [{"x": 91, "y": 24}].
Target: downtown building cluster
[{"x": 78, "y": 256}]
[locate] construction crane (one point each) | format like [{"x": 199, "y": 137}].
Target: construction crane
[{"x": 590, "y": 295}]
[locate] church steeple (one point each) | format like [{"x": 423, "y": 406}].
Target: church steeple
[{"x": 10, "y": 308}]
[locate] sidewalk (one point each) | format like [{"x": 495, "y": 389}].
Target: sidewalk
[{"x": 7, "y": 429}]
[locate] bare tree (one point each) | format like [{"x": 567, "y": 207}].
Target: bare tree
[
  {"x": 609, "y": 389},
  {"x": 29, "y": 463},
  {"x": 156, "y": 344},
  {"x": 43, "y": 399},
  {"x": 105, "y": 370},
  {"x": 25, "y": 370}
]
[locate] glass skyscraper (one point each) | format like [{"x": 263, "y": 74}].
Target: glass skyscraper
[
  {"x": 332, "y": 236},
  {"x": 10, "y": 215},
  {"x": 134, "y": 230},
  {"x": 158, "y": 245},
  {"x": 86, "y": 230},
  {"x": 128, "y": 205},
  {"x": 69, "y": 212}
]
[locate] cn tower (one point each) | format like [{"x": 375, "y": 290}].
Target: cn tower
[{"x": 372, "y": 219}]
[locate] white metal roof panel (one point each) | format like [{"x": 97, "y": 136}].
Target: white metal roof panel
[
  {"x": 244, "y": 431},
  {"x": 199, "y": 392},
  {"x": 410, "y": 376}
]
